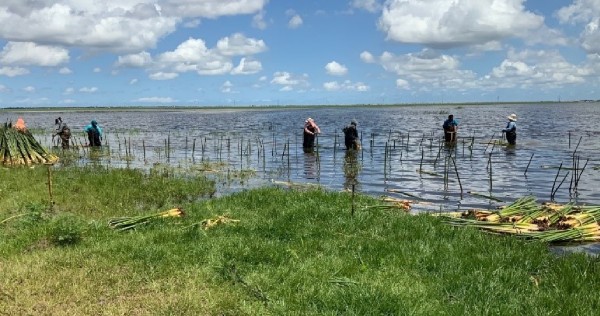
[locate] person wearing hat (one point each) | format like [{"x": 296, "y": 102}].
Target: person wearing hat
[
  {"x": 450, "y": 127},
  {"x": 310, "y": 130},
  {"x": 94, "y": 133},
  {"x": 63, "y": 131},
  {"x": 511, "y": 129},
  {"x": 351, "y": 136}
]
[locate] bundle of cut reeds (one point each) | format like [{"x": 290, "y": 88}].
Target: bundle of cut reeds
[
  {"x": 18, "y": 147},
  {"x": 528, "y": 219}
]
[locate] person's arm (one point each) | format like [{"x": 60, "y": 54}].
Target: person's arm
[
  {"x": 306, "y": 130},
  {"x": 318, "y": 129}
]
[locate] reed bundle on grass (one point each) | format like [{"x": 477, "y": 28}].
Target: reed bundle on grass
[
  {"x": 18, "y": 147},
  {"x": 526, "y": 218}
]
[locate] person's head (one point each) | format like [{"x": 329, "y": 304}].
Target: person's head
[
  {"x": 56, "y": 122},
  {"x": 309, "y": 120},
  {"x": 512, "y": 117},
  {"x": 450, "y": 117},
  {"x": 94, "y": 123},
  {"x": 354, "y": 122}
]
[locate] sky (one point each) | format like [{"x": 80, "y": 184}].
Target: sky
[{"x": 63, "y": 53}]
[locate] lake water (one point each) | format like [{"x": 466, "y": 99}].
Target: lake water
[{"x": 397, "y": 142}]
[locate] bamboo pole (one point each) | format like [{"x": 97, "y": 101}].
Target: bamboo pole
[{"x": 526, "y": 168}]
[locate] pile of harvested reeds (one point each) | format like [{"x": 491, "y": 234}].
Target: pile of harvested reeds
[
  {"x": 528, "y": 219},
  {"x": 18, "y": 147}
]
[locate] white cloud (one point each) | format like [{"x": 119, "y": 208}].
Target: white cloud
[
  {"x": 67, "y": 101},
  {"x": 238, "y": 45},
  {"x": 295, "y": 22},
  {"x": 367, "y": 57},
  {"x": 346, "y": 85},
  {"x": 65, "y": 71},
  {"x": 369, "y": 5},
  {"x": 13, "y": 71},
  {"x": 110, "y": 25},
  {"x": 227, "y": 87},
  {"x": 133, "y": 81},
  {"x": 443, "y": 23},
  {"x": 89, "y": 89},
  {"x": 286, "y": 88},
  {"x": 29, "y": 89},
  {"x": 192, "y": 24},
  {"x": 163, "y": 76},
  {"x": 335, "y": 69},
  {"x": 97, "y": 70},
  {"x": 402, "y": 84},
  {"x": 590, "y": 37},
  {"x": 4, "y": 89},
  {"x": 580, "y": 11},
  {"x": 68, "y": 91},
  {"x": 287, "y": 79},
  {"x": 138, "y": 60},
  {"x": 31, "y": 54},
  {"x": 246, "y": 67},
  {"x": 258, "y": 21},
  {"x": 156, "y": 100}
]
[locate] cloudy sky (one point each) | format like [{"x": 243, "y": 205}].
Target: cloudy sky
[{"x": 261, "y": 52}]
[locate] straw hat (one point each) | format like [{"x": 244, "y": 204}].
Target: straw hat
[
  {"x": 512, "y": 117},
  {"x": 308, "y": 120}
]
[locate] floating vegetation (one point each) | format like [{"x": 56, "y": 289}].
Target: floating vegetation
[{"x": 526, "y": 218}]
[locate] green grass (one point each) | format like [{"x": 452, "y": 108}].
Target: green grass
[{"x": 292, "y": 253}]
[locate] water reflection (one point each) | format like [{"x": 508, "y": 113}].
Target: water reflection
[
  {"x": 351, "y": 170},
  {"x": 311, "y": 164}
]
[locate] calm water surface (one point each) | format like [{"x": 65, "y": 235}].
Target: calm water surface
[{"x": 397, "y": 142}]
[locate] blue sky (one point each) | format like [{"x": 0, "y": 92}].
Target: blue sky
[{"x": 309, "y": 52}]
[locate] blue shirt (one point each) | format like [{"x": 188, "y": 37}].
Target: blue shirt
[
  {"x": 450, "y": 123},
  {"x": 510, "y": 127},
  {"x": 89, "y": 127}
]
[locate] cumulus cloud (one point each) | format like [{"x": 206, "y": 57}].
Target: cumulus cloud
[
  {"x": 295, "y": 22},
  {"x": 227, "y": 87},
  {"x": 367, "y": 57},
  {"x": 29, "y": 89},
  {"x": 402, "y": 84},
  {"x": 133, "y": 81},
  {"x": 238, "y": 45},
  {"x": 138, "y": 60},
  {"x": 369, "y": 5},
  {"x": 68, "y": 91},
  {"x": 4, "y": 89},
  {"x": 442, "y": 23},
  {"x": 97, "y": 70},
  {"x": 289, "y": 80},
  {"x": 258, "y": 21},
  {"x": 155, "y": 100},
  {"x": 88, "y": 89},
  {"x": 13, "y": 71},
  {"x": 65, "y": 71},
  {"x": 345, "y": 85},
  {"x": 31, "y": 54},
  {"x": 163, "y": 75},
  {"x": 111, "y": 25},
  {"x": 529, "y": 68},
  {"x": 335, "y": 69},
  {"x": 246, "y": 67}
]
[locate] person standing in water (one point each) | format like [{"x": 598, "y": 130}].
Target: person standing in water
[
  {"x": 450, "y": 128},
  {"x": 311, "y": 129},
  {"x": 351, "y": 138},
  {"x": 511, "y": 129},
  {"x": 94, "y": 133},
  {"x": 63, "y": 131}
]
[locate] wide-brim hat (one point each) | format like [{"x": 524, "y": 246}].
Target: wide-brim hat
[{"x": 512, "y": 117}]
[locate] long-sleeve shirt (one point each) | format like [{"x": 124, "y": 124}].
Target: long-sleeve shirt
[
  {"x": 510, "y": 127},
  {"x": 89, "y": 128}
]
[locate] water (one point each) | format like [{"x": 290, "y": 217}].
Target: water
[{"x": 268, "y": 144}]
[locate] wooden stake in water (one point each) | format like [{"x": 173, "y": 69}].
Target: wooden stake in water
[
  {"x": 458, "y": 178},
  {"x": 144, "y": 147},
  {"x": 554, "y": 183},
  {"x": 352, "y": 200},
  {"x": 525, "y": 173}
]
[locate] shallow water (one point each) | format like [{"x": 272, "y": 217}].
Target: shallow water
[{"x": 269, "y": 142}]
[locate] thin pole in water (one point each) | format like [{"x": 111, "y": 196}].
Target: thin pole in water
[{"x": 525, "y": 173}]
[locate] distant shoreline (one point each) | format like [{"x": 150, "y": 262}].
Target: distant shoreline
[{"x": 259, "y": 108}]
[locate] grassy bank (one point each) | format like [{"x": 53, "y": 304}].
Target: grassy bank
[{"x": 291, "y": 253}]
